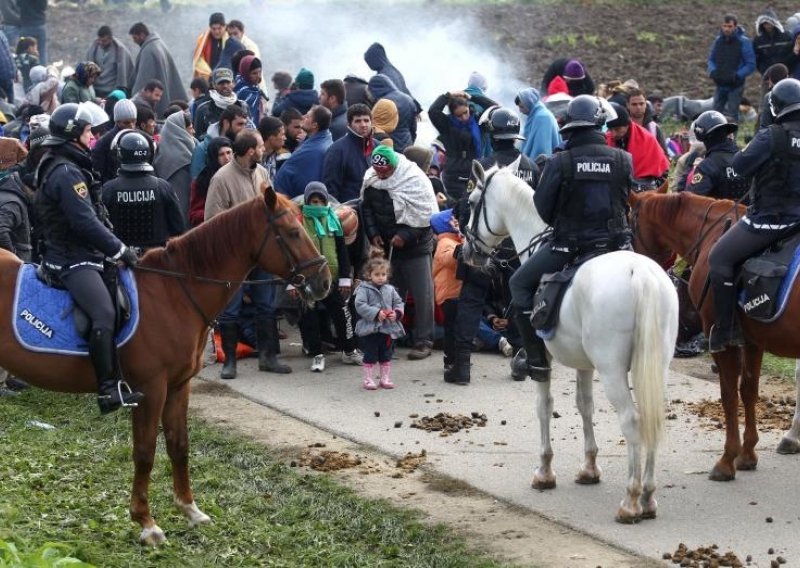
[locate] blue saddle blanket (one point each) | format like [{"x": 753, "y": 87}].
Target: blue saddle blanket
[
  {"x": 786, "y": 286},
  {"x": 42, "y": 317}
]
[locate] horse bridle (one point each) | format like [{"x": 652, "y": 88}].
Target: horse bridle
[{"x": 296, "y": 277}]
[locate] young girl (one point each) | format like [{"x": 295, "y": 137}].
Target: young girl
[
  {"x": 380, "y": 308},
  {"x": 26, "y": 57}
]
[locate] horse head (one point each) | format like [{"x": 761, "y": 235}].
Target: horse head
[
  {"x": 486, "y": 228},
  {"x": 300, "y": 263}
]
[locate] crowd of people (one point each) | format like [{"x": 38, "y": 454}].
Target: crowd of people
[{"x": 123, "y": 131}]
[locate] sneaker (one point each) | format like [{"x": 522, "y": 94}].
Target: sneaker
[
  {"x": 505, "y": 347},
  {"x": 419, "y": 351},
  {"x": 355, "y": 357},
  {"x": 318, "y": 365}
]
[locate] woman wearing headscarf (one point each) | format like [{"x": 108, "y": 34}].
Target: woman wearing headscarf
[
  {"x": 461, "y": 136},
  {"x": 248, "y": 87},
  {"x": 174, "y": 157},
  {"x": 79, "y": 87},
  {"x": 541, "y": 128},
  {"x": 218, "y": 153}
]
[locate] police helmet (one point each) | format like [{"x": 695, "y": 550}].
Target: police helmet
[
  {"x": 712, "y": 122},
  {"x": 504, "y": 124},
  {"x": 584, "y": 111},
  {"x": 784, "y": 98},
  {"x": 69, "y": 120},
  {"x": 134, "y": 151}
]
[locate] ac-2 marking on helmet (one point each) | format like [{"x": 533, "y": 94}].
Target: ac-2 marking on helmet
[{"x": 134, "y": 151}]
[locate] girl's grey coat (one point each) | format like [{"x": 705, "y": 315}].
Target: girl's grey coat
[{"x": 369, "y": 301}]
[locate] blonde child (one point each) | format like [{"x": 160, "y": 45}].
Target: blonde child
[{"x": 380, "y": 308}]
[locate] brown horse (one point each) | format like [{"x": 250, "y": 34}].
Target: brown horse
[
  {"x": 199, "y": 273},
  {"x": 689, "y": 225}
]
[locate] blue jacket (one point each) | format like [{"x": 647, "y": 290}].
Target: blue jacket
[
  {"x": 541, "y": 129},
  {"x": 346, "y": 162},
  {"x": 382, "y": 87},
  {"x": 747, "y": 57},
  {"x": 304, "y": 165},
  {"x": 302, "y": 100},
  {"x": 338, "y": 125}
]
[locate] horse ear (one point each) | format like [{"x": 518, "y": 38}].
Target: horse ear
[
  {"x": 270, "y": 197},
  {"x": 478, "y": 171}
]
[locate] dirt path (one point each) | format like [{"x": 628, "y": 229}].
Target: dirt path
[{"x": 507, "y": 532}]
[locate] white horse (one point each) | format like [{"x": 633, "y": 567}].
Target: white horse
[{"x": 620, "y": 314}]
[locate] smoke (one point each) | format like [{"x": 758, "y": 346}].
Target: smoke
[{"x": 434, "y": 47}]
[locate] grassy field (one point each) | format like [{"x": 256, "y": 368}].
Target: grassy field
[
  {"x": 70, "y": 485},
  {"x": 777, "y": 367}
]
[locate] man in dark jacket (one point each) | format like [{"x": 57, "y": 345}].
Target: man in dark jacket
[
  {"x": 773, "y": 44},
  {"x": 305, "y": 163},
  {"x": 355, "y": 90},
  {"x": 714, "y": 176},
  {"x": 382, "y": 87},
  {"x": 348, "y": 158},
  {"x": 730, "y": 61},
  {"x": 302, "y": 96},
  {"x": 222, "y": 96},
  {"x": 332, "y": 97},
  {"x": 378, "y": 61},
  {"x": 104, "y": 161}
]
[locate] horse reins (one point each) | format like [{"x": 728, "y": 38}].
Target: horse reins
[{"x": 296, "y": 279}]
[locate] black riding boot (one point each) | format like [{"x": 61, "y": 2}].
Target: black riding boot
[
  {"x": 726, "y": 331},
  {"x": 112, "y": 391},
  {"x": 535, "y": 351},
  {"x": 268, "y": 342},
  {"x": 229, "y": 335}
]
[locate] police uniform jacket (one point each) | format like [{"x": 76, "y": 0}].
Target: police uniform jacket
[
  {"x": 583, "y": 193},
  {"x": 772, "y": 158},
  {"x": 715, "y": 177},
  {"x": 143, "y": 209},
  {"x": 73, "y": 232}
]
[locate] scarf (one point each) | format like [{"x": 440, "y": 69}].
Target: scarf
[
  {"x": 648, "y": 156},
  {"x": 410, "y": 189},
  {"x": 222, "y": 101},
  {"x": 318, "y": 213},
  {"x": 474, "y": 130}
]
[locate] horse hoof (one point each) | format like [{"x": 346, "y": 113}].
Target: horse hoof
[
  {"x": 718, "y": 474},
  {"x": 152, "y": 536},
  {"x": 541, "y": 482},
  {"x": 193, "y": 513},
  {"x": 584, "y": 478},
  {"x": 788, "y": 446},
  {"x": 627, "y": 518},
  {"x": 746, "y": 465}
]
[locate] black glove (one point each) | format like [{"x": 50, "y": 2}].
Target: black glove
[{"x": 129, "y": 258}]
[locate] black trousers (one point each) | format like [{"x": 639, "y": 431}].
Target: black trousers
[
  {"x": 88, "y": 290},
  {"x": 339, "y": 312},
  {"x": 736, "y": 246},
  {"x": 525, "y": 280},
  {"x": 450, "y": 310},
  {"x": 377, "y": 348},
  {"x": 471, "y": 303}
]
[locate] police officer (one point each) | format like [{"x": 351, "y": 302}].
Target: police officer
[
  {"x": 143, "y": 209},
  {"x": 773, "y": 159},
  {"x": 76, "y": 241},
  {"x": 583, "y": 195},
  {"x": 714, "y": 176},
  {"x": 503, "y": 126}
]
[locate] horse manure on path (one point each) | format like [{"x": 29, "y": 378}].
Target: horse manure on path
[
  {"x": 703, "y": 557},
  {"x": 411, "y": 461},
  {"x": 328, "y": 461},
  {"x": 446, "y": 423},
  {"x": 773, "y": 412}
]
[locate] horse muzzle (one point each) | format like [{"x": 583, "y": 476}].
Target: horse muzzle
[{"x": 317, "y": 286}]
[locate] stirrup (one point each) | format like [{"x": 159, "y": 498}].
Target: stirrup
[{"x": 129, "y": 390}]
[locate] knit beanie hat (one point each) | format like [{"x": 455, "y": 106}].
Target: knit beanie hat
[
  {"x": 383, "y": 156},
  {"x": 304, "y": 79},
  {"x": 623, "y": 117},
  {"x": 216, "y": 18},
  {"x": 249, "y": 63},
  {"x": 124, "y": 110},
  {"x": 37, "y": 74},
  {"x": 420, "y": 155},
  {"x": 477, "y": 81},
  {"x": 574, "y": 70},
  {"x": 316, "y": 188},
  {"x": 385, "y": 116}
]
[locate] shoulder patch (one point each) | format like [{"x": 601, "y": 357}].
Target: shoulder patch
[
  {"x": 697, "y": 178},
  {"x": 81, "y": 189}
]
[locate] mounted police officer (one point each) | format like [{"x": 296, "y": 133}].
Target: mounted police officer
[
  {"x": 714, "y": 176},
  {"x": 773, "y": 159},
  {"x": 143, "y": 209},
  {"x": 583, "y": 195},
  {"x": 77, "y": 240}
]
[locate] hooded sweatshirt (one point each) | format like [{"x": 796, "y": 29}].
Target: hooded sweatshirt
[
  {"x": 541, "y": 129},
  {"x": 382, "y": 87},
  {"x": 772, "y": 48}
]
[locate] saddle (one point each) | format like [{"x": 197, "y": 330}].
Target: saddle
[
  {"x": 119, "y": 295},
  {"x": 766, "y": 280},
  {"x": 550, "y": 293}
]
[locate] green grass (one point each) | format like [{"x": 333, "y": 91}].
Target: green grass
[
  {"x": 777, "y": 366},
  {"x": 71, "y": 486}
]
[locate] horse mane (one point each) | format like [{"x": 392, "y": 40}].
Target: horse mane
[
  {"x": 521, "y": 197},
  {"x": 670, "y": 207},
  {"x": 207, "y": 246}
]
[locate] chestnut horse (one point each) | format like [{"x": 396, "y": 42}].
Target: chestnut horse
[
  {"x": 182, "y": 287},
  {"x": 689, "y": 225}
]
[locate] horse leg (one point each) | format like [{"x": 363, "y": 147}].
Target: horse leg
[
  {"x": 648, "y": 500},
  {"x": 729, "y": 368},
  {"x": 619, "y": 394},
  {"x": 589, "y": 472},
  {"x": 176, "y": 436},
  {"x": 543, "y": 477},
  {"x": 790, "y": 444},
  {"x": 748, "y": 390},
  {"x": 145, "y": 432}
]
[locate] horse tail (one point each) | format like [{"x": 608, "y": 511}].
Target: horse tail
[{"x": 650, "y": 355}]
